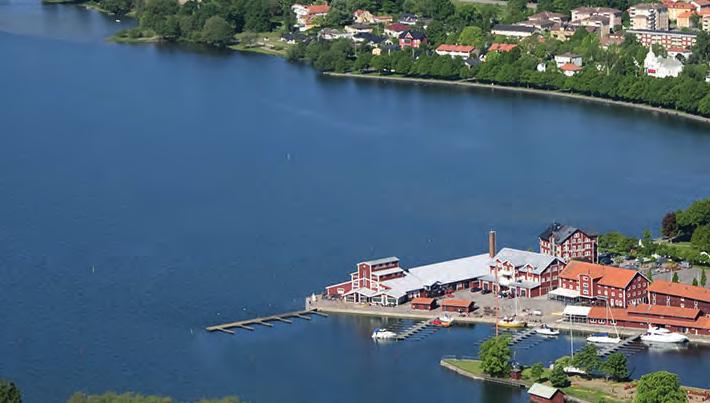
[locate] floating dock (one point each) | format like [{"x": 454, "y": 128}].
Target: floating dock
[
  {"x": 616, "y": 347},
  {"x": 520, "y": 336},
  {"x": 416, "y": 328},
  {"x": 264, "y": 321}
]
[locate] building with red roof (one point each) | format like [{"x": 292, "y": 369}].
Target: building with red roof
[
  {"x": 682, "y": 320},
  {"x": 394, "y": 30},
  {"x": 455, "y": 50},
  {"x": 502, "y": 47},
  {"x": 570, "y": 69},
  {"x": 598, "y": 284},
  {"x": 669, "y": 294}
]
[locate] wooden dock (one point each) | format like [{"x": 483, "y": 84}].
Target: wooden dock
[
  {"x": 603, "y": 352},
  {"x": 520, "y": 336},
  {"x": 416, "y": 328},
  {"x": 264, "y": 321}
]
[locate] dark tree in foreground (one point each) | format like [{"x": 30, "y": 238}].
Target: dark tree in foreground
[
  {"x": 659, "y": 387},
  {"x": 558, "y": 378},
  {"x": 669, "y": 225},
  {"x": 495, "y": 356},
  {"x": 675, "y": 278},
  {"x": 617, "y": 367},
  {"x": 9, "y": 392}
]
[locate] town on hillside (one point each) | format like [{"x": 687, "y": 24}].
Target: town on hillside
[{"x": 563, "y": 277}]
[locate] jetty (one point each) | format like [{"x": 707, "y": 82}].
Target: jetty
[
  {"x": 416, "y": 328},
  {"x": 603, "y": 352},
  {"x": 520, "y": 336},
  {"x": 264, "y": 321}
]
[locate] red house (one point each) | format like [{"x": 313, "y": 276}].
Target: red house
[
  {"x": 412, "y": 39},
  {"x": 679, "y": 295},
  {"x": 523, "y": 273},
  {"x": 682, "y": 320},
  {"x": 457, "y": 305},
  {"x": 366, "y": 281},
  {"x": 594, "y": 283},
  {"x": 424, "y": 304},
  {"x": 568, "y": 243},
  {"x": 540, "y": 393}
]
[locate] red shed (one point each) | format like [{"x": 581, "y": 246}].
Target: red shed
[
  {"x": 425, "y": 304},
  {"x": 457, "y": 305},
  {"x": 540, "y": 393}
]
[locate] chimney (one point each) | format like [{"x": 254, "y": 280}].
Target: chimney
[{"x": 492, "y": 243}]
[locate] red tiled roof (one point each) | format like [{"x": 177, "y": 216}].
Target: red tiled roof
[
  {"x": 458, "y": 303},
  {"x": 680, "y": 5},
  {"x": 702, "y": 3},
  {"x": 318, "y": 8},
  {"x": 502, "y": 47},
  {"x": 677, "y": 49},
  {"x": 686, "y": 14},
  {"x": 455, "y": 48},
  {"x": 620, "y": 314},
  {"x": 607, "y": 275},
  {"x": 398, "y": 27},
  {"x": 662, "y": 310},
  {"x": 422, "y": 300},
  {"x": 570, "y": 67},
  {"x": 680, "y": 290},
  {"x": 704, "y": 12}
]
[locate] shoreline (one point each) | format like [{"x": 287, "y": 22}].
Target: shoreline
[
  {"x": 469, "y": 320},
  {"x": 525, "y": 90}
]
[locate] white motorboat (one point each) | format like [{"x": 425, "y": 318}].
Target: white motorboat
[
  {"x": 603, "y": 338},
  {"x": 545, "y": 330},
  {"x": 662, "y": 335},
  {"x": 383, "y": 334}
]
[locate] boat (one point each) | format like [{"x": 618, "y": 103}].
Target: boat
[
  {"x": 603, "y": 338},
  {"x": 443, "y": 321},
  {"x": 546, "y": 330},
  {"x": 511, "y": 323},
  {"x": 383, "y": 334},
  {"x": 656, "y": 334}
]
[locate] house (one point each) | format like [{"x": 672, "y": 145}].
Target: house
[
  {"x": 561, "y": 60},
  {"x": 564, "y": 241},
  {"x": 305, "y": 15},
  {"x": 540, "y": 25},
  {"x": 358, "y": 28},
  {"x": 472, "y": 62},
  {"x": 384, "y": 282},
  {"x": 412, "y": 39},
  {"x": 563, "y": 32},
  {"x": 685, "y": 20},
  {"x": 701, "y": 5},
  {"x": 682, "y": 320},
  {"x": 363, "y": 17},
  {"x": 598, "y": 23},
  {"x": 612, "y": 39},
  {"x": 464, "y": 51},
  {"x": 540, "y": 393},
  {"x": 652, "y": 16},
  {"x": 517, "y": 31},
  {"x": 676, "y": 52},
  {"x": 594, "y": 283},
  {"x": 457, "y": 305},
  {"x": 666, "y": 39},
  {"x": 368, "y": 38},
  {"x": 408, "y": 19},
  {"x": 394, "y": 30},
  {"x": 385, "y": 48},
  {"x": 293, "y": 38},
  {"x": 423, "y": 303},
  {"x": 705, "y": 19},
  {"x": 330, "y": 34},
  {"x": 584, "y": 13},
  {"x": 522, "y": 273},
  {"x": 549, "y": 16},
  {"x": 501, "y": 47},
  {"x": 383, "y": 19},
  {"x": 677, "y": 8},
  {"x": 570, "y": 69},
  {"x": 661, "y": 67},
  {"x": 679, "y": 295}
]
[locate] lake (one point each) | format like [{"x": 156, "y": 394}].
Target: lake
[{"x": 149, "y": 191}]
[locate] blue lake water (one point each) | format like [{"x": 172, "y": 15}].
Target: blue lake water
[{"x": 148, "y": 191}]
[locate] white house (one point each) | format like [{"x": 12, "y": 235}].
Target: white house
[
  {"x": 568, "y": 58},
  {"x": 455, "y": 50},
  {"x": 570, "y": 69},
  {"x": 661, "y": 67}
]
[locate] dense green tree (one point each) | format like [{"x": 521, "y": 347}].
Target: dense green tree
[
  {"x": 472, "y": 35},
  {"x": 558, "y": 377},
  {"x": 697, "y": 214},
  {"x": 703, "y": 278},
  {"x": 701, "y": 238},
  {"x": 675, "y": 277},
  {"x": 616, "y": 366},
  {"x": 495, "y": 354},
  {"x": 9, "y": 393},
  {"x": 659, "y": 387},
  {"x": 587, "y": 359},
  {"x": 537, "y": 370},
  {"x": 695, "y": 282},
  {"x": 217, "y": 31}
]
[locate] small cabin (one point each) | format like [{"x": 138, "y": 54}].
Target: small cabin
[
  {"x": 457, "y": 305},
  {"x": 540, "y": 393},
  {"x": 423, "y": 304}
]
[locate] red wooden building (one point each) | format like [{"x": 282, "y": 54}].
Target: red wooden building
[
  {"x": 412, "y": 39},
  {"x": 424, "y": 304},
  {"x": 682, "y": 320},
  {"x": 457, "y": 305},
  {"x": 598, "y": 284},
  {"x": 540, "y": 393},
  {"x": 568, "y": 243},
  {"x": 679, "y": 295},
  {"x": 523, "y": 273}
]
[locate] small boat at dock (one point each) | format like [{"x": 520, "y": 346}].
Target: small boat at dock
[
  {"x": 443, "y": 321},
  {"x": 511, "y": 323},
  {"x": 662, "y": 335},
  {"x": 603, "y": 338},
  {"x": 545, "y": 330},
  {"x": 383, "y": 334}
]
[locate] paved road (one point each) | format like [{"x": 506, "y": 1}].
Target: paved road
[{"x": 495, "y": 2}]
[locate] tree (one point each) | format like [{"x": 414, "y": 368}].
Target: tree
[
  {"x": 587, "y": 359},
  {"x": 537, "y": 370},
  {"x": 495, "y": 356},
  {"x": 217, "y": 31},
  {"x": 695, "y": 281},
  {"x": 701, "y": 238},
  {"x": 659, "y": 387},
  {"x": 669, "y": 225},
  {"x": 703, "y": 278},
  {"x": 473, "y": 36},
  {"x": 675, "y": 277},
  {"x": 558, "y": 378},
  {"x": 617, "y": 367},
  {"x": 9, "y": 392}
]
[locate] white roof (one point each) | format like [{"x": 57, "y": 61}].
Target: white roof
[
  {"x": 564, "y": 292},
  {"x": 387, "y": 271},
  {"x": 576, "y": 310},
  {"x": 447, "y": 272},
  {"x": 520, "y": 258},
  {"x": 541, "y": 390}
]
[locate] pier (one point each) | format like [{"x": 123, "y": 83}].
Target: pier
[
  {"x": 416, "y": 328},
  {"x": 264, "y": 321},
  {"x": 603, "y": 352},
  {"x": 520, "y": 336}
]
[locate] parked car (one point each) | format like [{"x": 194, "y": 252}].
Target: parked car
[
  {"x": 485, "y": 291},
  {"x": 477, "y": 289}
]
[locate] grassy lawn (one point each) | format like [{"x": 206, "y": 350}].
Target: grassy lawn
[
  {"x": 591, "y": 395},
  {"x": 472, "y": 366},
  {"x": 262, "y": 42}
]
